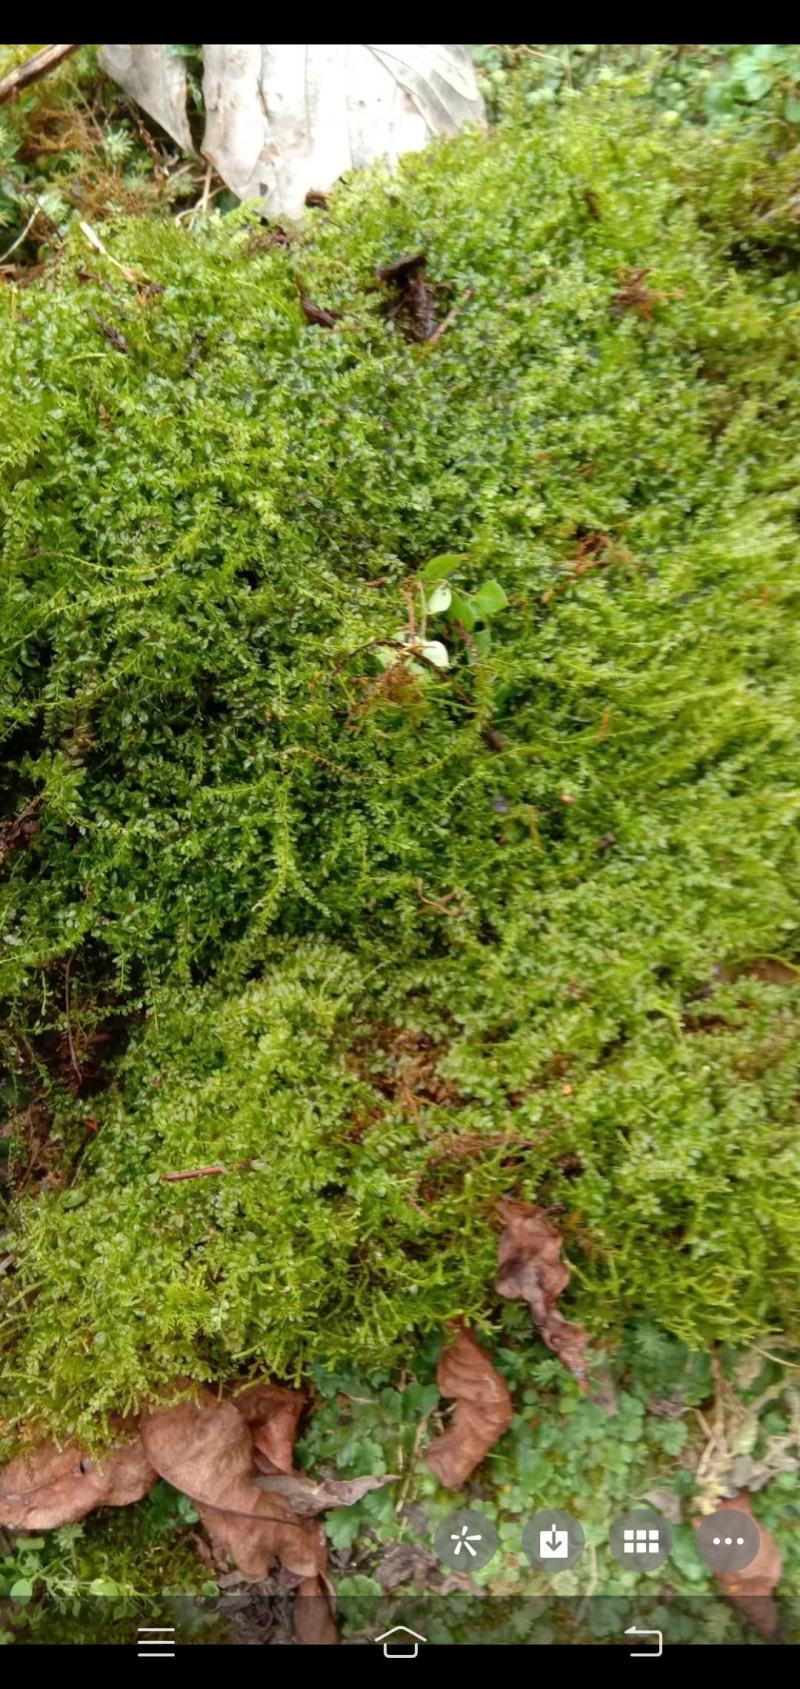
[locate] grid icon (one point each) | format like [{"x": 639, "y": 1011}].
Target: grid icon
[{"x": 641, "y": 1541}]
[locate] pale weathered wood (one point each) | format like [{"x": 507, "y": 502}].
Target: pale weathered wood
[
  {"x": 155, "y": 77},
  {"x": 235, "y": 116},
  {"x": 281, "y": 120},
  {"x": 39, "y": 65}
]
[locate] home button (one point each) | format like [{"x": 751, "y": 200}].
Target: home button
[{"x": 400, "y": 1643}]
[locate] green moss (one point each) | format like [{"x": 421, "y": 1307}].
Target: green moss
[{"x": 538, "y": 860}]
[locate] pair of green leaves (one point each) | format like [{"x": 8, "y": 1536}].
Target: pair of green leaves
[{"x": 467, "y": 608}]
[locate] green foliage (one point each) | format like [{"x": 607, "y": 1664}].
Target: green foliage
[
  {"x": 718, "y": 86},
  {"x": 83, "y": 1580},
  {"x": 550, "y": 864}
]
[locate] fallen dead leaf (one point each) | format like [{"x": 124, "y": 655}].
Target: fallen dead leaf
[
  {"x": 404, "y": 1562},
  {"x": 272, "y": 1413},
  {"x": 50, "y": 1487},
  {"x": 203, "y": 1447},
  {"x": 207, "y": 1448},
  {"x": 308, "y": 1498},
  {"x": 482, "y": 1413},
  {"x": 314, "y": 1624},
  {"x": 752, "y": 1590},
  {"x": 18, "y": 833},
  {"x": 413, "y": 300},
  {"x": 531, "y": 1269},
  {"x": 317, "y": 314},
  {"x": 769, "y": 969}
]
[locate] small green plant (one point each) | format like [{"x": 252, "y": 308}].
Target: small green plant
[
  {"x": 467, "y": 613},
  {"x": 83, "y": 1582},
  {"x": 756, "y": 75}
]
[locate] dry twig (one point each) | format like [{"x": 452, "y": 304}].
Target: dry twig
[
  {"x": 33, "y": 69},
  {"x": 70, "y": 1040},
  {"x": 451, "y": 316}
]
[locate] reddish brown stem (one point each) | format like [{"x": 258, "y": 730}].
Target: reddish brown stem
[
  {"x": 205, "y": 1172},
  {"x": 450, "y": 318},
  {"x": 192, "y": 1173}
]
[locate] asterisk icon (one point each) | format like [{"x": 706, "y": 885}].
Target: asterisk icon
[{"x": 462, "y": 1539}]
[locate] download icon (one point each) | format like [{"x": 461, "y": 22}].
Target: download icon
[
  {"x": 553, "y": 1540},
  {"x": 553, "y": 1544}
]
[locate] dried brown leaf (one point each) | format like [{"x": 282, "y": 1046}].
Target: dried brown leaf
[
  {"x": 18, "y": 833},
  {"x": 414, "y": 300},
  {"x": 314, "y": 1624},
  {"x": 482, "y": 1413},
  {"x": 531, "y": 1269},
  {"x": 318, "y": 315},
  {"x": 404, "y": 1562},
  {"x": 752, "y": 1590},
  {"x": 272, "y": 1413},
  {"x": 401, "y": 269},
  {"x": 49, "y": 1487},
  {"x": 203, "y": 1447},
  {"x": 769, "y": 969},
  {"x": 308, "y": 1498}
]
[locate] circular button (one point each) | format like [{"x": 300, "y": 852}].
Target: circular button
[
  {"x": 465, "y": 1540},
  {"x": 728, "y": 1540},
  {"x": 553, "y": 1540},
  {"x": 640, "y": 1541}
]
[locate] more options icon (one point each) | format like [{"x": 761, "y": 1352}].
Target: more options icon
[
  {"x": 553, "y": 1540},
  {"x": 728, "y": 1540}
]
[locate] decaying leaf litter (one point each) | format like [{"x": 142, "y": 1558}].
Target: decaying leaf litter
[
  {"x": 752, "y": 1591},
  {"x": 234, "y": 1456},
  {"x": 482, "y": 1410},
  {"x": 228, "y": 1454},
  {"x": 234, "y": 1459},
  {"x": 531, "y": 1269}
]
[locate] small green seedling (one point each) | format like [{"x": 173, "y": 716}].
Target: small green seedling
[{"x": 468, "y": 612}]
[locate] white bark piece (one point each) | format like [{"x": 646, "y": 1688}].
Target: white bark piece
[
  {"x": 235, "y": 113},
  {"x": 283, "y": 119},
  {"x": 440, "y": 81},
  {"x": 155, "y": 78},
  {"x": 323, "y": 110}
]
